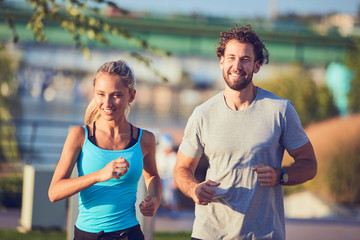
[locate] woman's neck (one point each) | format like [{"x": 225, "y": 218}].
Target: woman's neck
[{"x": 114, "y": 128}]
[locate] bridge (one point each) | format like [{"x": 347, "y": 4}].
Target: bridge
[{"x": 190, "y": 36}]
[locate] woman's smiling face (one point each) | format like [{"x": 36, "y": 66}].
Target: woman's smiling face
[{"x": 112, "y": 96}]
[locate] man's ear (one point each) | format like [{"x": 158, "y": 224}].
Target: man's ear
[
  {"x": 257, "y": 66},
  {"x": 221, "y": 62}
]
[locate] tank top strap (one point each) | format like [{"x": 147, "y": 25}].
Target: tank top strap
[
  {"x": 133, "y": 140},
  {"x": 92, "y": 138}
]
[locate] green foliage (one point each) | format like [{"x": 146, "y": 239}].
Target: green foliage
[
  {"x": 8, "y": 100},
  {"x": 343, "y": 176},
  {"x": 8, "y": 66},
  {"x": 7, "y": 234},
  {"x": 312, "y": 103},
  {"x": 11, "y": 234},
  {"x": 352, "y": 61},
  {"x": 11, "y": 190},
  {"x": 326, "y": 105},
  {"x": 85, "y": 21},
  {"x": 9, "y": 18}
]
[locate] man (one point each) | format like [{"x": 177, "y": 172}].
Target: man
[{"x": 243, "y": 132}]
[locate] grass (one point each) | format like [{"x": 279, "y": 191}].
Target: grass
[{"x": 11, "y": 234}]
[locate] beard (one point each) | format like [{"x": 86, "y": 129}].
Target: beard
[{"x": 240, "y": 83}]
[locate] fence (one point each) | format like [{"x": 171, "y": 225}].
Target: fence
[{"x": 38, "y": 141}]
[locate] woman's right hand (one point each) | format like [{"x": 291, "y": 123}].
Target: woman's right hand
[{"x": 114, "y": 169}]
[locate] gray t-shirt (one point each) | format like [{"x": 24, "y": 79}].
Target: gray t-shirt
[{"x": 234, "y": 142}]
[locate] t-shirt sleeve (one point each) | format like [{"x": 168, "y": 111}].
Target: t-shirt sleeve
[
  {"x": 191, "y": 145},
  {"x": 293, "y": 135}
]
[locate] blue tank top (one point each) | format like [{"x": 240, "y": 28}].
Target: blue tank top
[{"x": 108, "y": 206}]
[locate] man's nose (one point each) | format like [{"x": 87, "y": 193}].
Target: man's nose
[{"x": 238, "y": 63}]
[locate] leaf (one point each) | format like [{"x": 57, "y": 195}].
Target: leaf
[
  {"x": 91, "y": 33},
  {"x": 86, "y": 52},
  {"x": 82, "y": 19}
]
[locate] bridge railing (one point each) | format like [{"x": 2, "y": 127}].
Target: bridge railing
[{"x": 38, "y": 141}]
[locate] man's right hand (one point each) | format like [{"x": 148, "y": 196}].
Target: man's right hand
[{"x": 204, "y": 193}]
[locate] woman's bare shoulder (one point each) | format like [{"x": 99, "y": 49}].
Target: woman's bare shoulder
[
  {"x": 76, "y": 134},
  {"x": 147, "y": 139}
]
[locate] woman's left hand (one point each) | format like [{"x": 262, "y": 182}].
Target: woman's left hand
[{"x": 149, "y": 206}]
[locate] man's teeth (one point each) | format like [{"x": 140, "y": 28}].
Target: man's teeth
[
  {"x": 107, "y": 110},
  {"x": 238, "y": 74}
]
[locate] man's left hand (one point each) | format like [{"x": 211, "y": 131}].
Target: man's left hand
[{"x": 267, "y": 176}]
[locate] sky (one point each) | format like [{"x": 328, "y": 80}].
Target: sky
[{"x": 241, "y": 8}]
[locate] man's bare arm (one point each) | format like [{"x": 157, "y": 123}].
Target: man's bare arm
[
  {"x": 184, "y": 170},
  {"x": 305, "y": 166}
]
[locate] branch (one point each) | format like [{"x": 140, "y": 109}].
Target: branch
[
  {"x": 10, "y": 21},
  {"x": 83, "y": 22}
]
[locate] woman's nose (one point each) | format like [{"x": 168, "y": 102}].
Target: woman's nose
[{"x": 107, "y": 101}]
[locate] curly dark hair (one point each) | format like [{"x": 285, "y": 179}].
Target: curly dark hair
[{"x": 244, "y": 35}]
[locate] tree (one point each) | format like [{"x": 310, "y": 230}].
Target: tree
[
  {"x": 313, "y": 103},
  {"x": 8, "y": 100},
  {"x": 352, "y": 61},
  {"x": 83, "y": 19}
]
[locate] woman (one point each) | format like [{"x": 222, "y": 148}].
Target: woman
[{"x": 110, "y": 154}]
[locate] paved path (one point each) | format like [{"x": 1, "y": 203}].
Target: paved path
[
  {"x": 322, "y": 230},
  {"x": 9, "y": 218},
  {"x": 295, "y": 229}
]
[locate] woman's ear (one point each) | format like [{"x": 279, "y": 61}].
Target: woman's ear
[{"x": 132, "y": 95}]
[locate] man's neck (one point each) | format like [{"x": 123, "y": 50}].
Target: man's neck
[{"x": 240, "y": 100}]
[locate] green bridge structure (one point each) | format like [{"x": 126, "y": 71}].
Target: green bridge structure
[{"x": 197, "y": 36}]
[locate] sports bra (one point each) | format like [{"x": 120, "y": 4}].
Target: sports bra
[{"x": 131, "y": 143}]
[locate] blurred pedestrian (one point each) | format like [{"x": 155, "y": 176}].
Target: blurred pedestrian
[
  {"x": 165, "y": 162},
  {"x": 110, "y": 154},
  {"x": 243, "y": 132}
]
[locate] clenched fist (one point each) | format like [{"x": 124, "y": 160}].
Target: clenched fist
[{"x": 114, "y": 169}]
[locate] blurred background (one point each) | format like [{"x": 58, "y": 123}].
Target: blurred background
[{"x": 50, "y": 51}]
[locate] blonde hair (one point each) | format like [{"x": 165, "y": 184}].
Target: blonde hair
[{"x": 118, "y": 68}]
